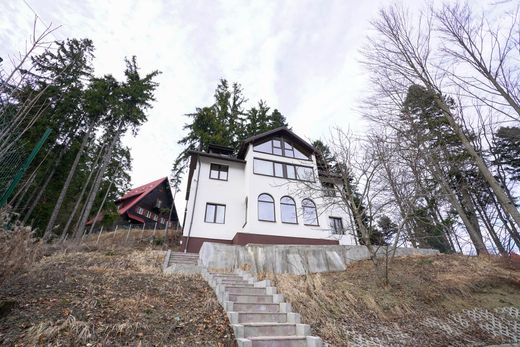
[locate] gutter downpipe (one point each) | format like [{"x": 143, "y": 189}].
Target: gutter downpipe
[{"x": 194, "y": 203}]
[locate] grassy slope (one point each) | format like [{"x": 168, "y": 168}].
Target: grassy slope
[
  {"x": 421, "y": 287},
  {"x": 108, "y": 297}
]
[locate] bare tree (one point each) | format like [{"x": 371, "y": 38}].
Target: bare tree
[{"x": 400, "y": 56}]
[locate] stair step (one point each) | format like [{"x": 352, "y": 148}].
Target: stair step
[
  {"x": 262, "y": 317},
  {"x": 248, "y": 298},
  {"x": 236, "y": 283},
  {"x": 254, "y": 307},
  {"x": 279, "y": 341},
  {"x": 269, "y": 329},
  {"x": 245, "y": 290}
]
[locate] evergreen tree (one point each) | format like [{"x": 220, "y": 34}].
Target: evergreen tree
[
  {"x": 507, "y": 148},
  {"x": 225, "y": 123}
]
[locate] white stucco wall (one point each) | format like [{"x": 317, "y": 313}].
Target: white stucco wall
[
  {"x": 229, "y": 193},
  {"x": 279, "y": 187},
  {"x": 242, "y": 183}
]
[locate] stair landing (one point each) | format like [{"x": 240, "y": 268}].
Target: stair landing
[{"x": 179, "y": 262}]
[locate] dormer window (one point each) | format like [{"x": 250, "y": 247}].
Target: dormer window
[{"x": 281, "y": 147}]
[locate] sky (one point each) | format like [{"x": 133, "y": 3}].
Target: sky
[{"x": 301, "y": 57}]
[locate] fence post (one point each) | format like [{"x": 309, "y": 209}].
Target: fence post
[
  {"x": 128, "y": 233},
  {"x": 142, "y": 231},
  {"x": 115, "y": 231},
  {"x": 154, "y": 228},
  {"x": 166, "y": 234},
  {"x": 99, "y": 235}
]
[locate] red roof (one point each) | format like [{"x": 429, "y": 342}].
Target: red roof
[{"x": 133, "y": 196}]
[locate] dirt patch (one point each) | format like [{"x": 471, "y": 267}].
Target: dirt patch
[
  {"x": 109, "y": 298},
  {"x": 421, "y": 288}
]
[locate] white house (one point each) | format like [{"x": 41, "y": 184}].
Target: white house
[{"x": 266, "y": 194}]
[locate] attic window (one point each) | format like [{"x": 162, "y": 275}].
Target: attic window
[
  {"x": 218, "y": 172},
  {"x": 281, "y": 147}
]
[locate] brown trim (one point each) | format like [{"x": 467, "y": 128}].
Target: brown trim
[
  {"x": 217, "y": 156},
  {"x": 196, "y": 243},
  {"x": 243, "y": 239}
]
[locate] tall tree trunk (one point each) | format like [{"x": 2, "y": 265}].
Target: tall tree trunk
[
  {"x": 97, "y": 183},
  {"x": 65, "y": 188},
  {"x": 80, "y": 197},
  {"x": 501, "y": 195},
  {"x": 474, "y": 235},
  {"x": 489, "y": 227},
  {"x": 34, "y": 202},
  {"x": 91, "y": 192}
]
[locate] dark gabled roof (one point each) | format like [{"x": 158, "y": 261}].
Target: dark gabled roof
[
  {"x": 214, "y": 148},
  {"x": 282, "y": 132},
  {"x": 135, "y": 195}
]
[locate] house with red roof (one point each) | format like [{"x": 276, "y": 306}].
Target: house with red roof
[{"x": 150, "y": 203}]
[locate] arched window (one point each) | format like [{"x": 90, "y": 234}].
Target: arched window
[
  {"x": 266, "y": 208},
  {"x": 310, "y": 215},
  {"x": 288, "y": 209}
]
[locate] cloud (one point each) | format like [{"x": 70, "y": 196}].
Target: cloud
[{"x": 299, "y": 56}]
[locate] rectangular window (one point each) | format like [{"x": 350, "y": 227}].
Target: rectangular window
[
  {"x": 336, "y": 224},
  {"x": 148, "y": 214},
  {"x": 263, "y": 167},
  {"x": 278, "y": 169},
  {"x": 215, "y": 213},
  {"x": 218, "y": 172},
  {"x": 155, "y": 217},
  {"x": 291, "y": 171},
  {"x": 282, "y": 170},
  {"x": 162, "y": 220},
  {"x": 304, "y": 173},
  {"x": 140, "y": 210}
]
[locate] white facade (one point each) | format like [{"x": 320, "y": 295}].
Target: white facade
[{"x": 240, "y": 192}]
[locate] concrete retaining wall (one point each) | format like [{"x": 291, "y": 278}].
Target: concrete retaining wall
[{"x": 292, "y": 259}]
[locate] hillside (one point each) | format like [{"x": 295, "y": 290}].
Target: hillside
[
  {"x": 116, "y": 294},
  {"x": 431, "y": 301},
  {"x": 104, "y": 297}
]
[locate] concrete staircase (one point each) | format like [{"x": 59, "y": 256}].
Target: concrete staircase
[
  {"x": 259, "y": 316},
  {"x": 179, "y": 262}
]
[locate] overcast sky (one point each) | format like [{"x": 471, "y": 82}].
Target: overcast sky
[{"x": 299, "y": 56}]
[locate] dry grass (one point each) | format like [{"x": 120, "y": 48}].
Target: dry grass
[
  {"x": 110, "y": 297},
  {"x": 420, "y": 287},
  {"x": 18, "y": 251}
]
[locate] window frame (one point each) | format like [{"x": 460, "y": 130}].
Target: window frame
[
  {"x": 284, "y": 170},
  {"x": 258, "y": 208},
  {"x": 315, "y": 212},
  {"x": 295, "y": 209},
  {"x": 283, "y": 148},
  {"x": 220, "y": 166},
  {"x": 333, "y": 219},
  {"x": 215, "y": 214}
]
